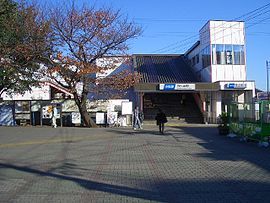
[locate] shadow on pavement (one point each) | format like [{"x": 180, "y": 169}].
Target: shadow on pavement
[
  {"x": 135, "y": 132},
  {"x": 90, "y": 185},
  {"x": 179, "y": 190},
  {"x": 172, "y": 190},
  {"x": 224, "y": 148}
]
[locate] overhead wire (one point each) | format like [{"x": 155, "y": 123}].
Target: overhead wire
[
  {"x": 253, "y": 11},
  {"x": 180, "y": 44},
  {"x": 250, "y": 16}
]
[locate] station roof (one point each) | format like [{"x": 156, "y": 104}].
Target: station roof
[{"x": 156, "y": 68}]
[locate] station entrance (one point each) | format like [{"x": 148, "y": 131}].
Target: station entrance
[{"x": 176, "y": 106}]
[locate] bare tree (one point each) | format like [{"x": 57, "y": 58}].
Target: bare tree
[{"x": 82, "y": 36}]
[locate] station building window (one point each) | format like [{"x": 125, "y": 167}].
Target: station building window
[
  {"x": 197, "y": 58},
  {"x": 22, "y": 107},
  {"x": 194, "y": 60},
  {"x": 206, "y": 59},
  {"x": 228, "y": 54},
  {"x": 237, "y": 55}
]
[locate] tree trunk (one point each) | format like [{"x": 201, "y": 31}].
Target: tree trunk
[{"x": 87, "y": 121}]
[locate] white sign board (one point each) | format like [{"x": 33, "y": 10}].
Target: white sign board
[
  {"x": 76, "y": 118},
  {"x": 100, "y": 118},
  {"x": 185, "y": 86},
  {"x": 22, "y": 116},
  {"x": 233, "y": 85},
  {"x": 127, "y": 108},
  {"x": 47, "y": 112},
  {"x": 112, "y": 117},
  {"x": 122, "y": 121},
  {"x": 35, "y": 106}
]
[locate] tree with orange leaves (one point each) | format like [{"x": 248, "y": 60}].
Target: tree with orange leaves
[{"x": 82, "y": 36}]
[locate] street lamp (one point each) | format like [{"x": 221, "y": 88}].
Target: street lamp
[{"x": 267, "y": 70}]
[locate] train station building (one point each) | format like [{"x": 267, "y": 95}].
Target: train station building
[
  {"x": 198, "y": 85},
  {"x": 193, "y": 87}
]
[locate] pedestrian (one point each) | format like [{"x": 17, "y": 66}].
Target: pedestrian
[
  {"x": 137, "y": 119},
  {"x": 161, "y": 119},
  {"x": 54, "y": 114}
]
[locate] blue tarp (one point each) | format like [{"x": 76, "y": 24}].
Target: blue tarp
[{"x": 6, "y": 117}]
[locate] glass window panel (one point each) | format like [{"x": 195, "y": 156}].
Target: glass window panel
[
  {"x": 225, "y": 54},
  {"x": 220, "y": 52},
  {"x": 236, "y": 54},
  {"x": 193, "y": 60},
  {"x": 214, "y": 56},
  {"x": 203, "y": 58},
  {"x": 208, "y": 56},
  {"x": 242, "y": 55},
  {"x": 228, "y": 52}
]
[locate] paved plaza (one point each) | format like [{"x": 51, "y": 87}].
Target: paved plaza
[{"x": 186, "y": 164}]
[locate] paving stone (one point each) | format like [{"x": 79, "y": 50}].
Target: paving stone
[{"x": 187, "y": 164}]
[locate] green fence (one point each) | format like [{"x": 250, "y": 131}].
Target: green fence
[{"x": 251, "y": 120}]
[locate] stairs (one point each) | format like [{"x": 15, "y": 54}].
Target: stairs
[{"x": 178, "y": 107}]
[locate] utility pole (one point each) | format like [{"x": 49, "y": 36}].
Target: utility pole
[{"x": 267, "y": 71}]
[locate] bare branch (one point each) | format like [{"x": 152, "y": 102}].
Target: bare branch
[{"x": 84, "y": 38}]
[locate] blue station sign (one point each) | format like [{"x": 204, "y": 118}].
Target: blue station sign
[
  {"x": 180, "y": 86},
  {"x": 169, "y": 87},
  {"x": 235, "y": 86}
]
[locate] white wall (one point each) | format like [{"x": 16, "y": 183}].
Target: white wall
[
  {"x": 217, "y": 101},
  {"x": 219, "y": 32},
  {"x": 228, "y": 72},
  {"x": 205, "y": 42},
  {"x": 224, "y": 32},
  {"x": 37, "y": 93}
]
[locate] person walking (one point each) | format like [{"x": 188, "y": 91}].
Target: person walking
[
  {"x": 137, "y": 119},
  {"x": 54, "y": 114},
  {"x": 161, "y": 119}
]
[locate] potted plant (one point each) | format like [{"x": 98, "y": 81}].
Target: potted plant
[{"x": 223, "y": 127}]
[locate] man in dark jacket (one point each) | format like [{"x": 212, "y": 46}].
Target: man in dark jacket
[{"x": 161, "y": 119}]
